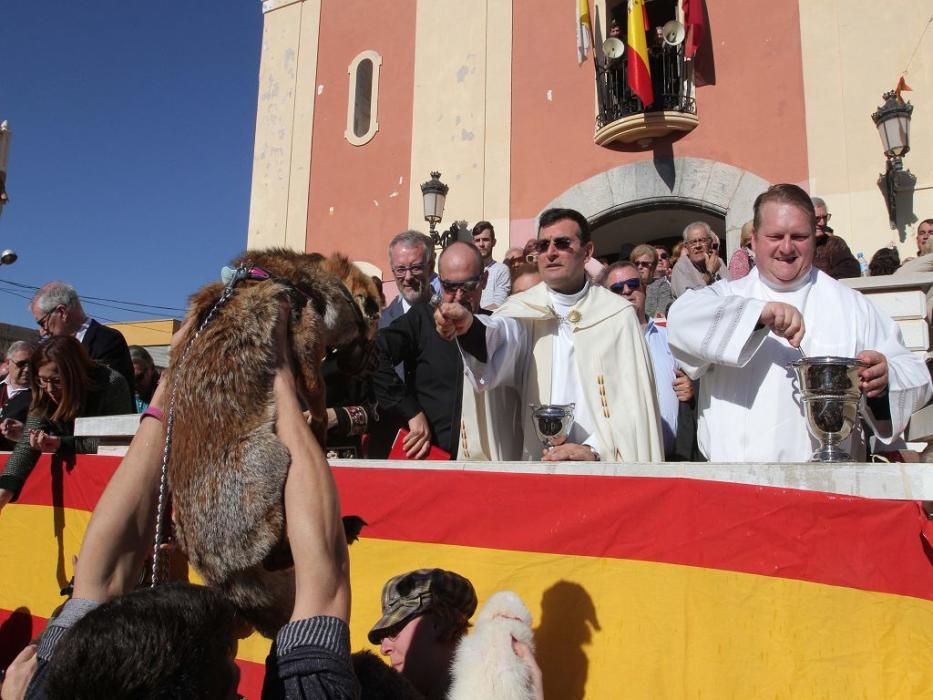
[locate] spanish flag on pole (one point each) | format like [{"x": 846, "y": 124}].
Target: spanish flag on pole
[
  {"x": 584, "y": 30},
  {"x": 639, "y": 72}
]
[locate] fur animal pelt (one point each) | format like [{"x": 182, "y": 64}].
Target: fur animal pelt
[
  {"x": 485, "y": 665},
  {"x": 227, "y": 468}
]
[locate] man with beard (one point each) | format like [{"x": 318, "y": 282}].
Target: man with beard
[
  {"x": 740, "y": 337},
  {"x": 411, "y": 258},
  {"x": 429, "y": 398}
]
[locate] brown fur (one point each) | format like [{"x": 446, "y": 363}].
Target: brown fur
[{"x": 227, "y": 468}]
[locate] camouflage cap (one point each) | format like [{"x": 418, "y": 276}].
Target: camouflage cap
[{"x": 415, "y": 593}]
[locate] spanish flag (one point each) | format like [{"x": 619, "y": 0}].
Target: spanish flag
[
  {"x": 640, "y": 587},
  {"x": 639, "y": 71}
]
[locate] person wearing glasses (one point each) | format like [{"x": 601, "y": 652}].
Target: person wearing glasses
[
  {"x": 564, "y": 341},
  {"x": 15, "y": 395},
  {"x": 58, "y": 311},
  {"x": 701, "y": 266},
  {"x": 832, "y": 254},
  {"x": 429, "y": 398},
  {"x": 411, "y": 259},
  {"x": 673, "y": 386},
  {"x": 658, "y": 291},
  {"x": 66, "y": 384}
]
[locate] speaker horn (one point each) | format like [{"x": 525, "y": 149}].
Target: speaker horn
[
  {"x": 673, "y": 33},
  {"x": 613, "y": 48}
]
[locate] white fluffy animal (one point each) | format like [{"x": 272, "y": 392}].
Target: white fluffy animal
[{"x": 485, "y": 665}]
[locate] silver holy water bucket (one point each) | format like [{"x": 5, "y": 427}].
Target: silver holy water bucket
[
  {"x": 552, "y": 422},
  {"x": 829, "y": 389}
]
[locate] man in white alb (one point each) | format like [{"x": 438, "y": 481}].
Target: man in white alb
[
  {"x": 563, "y": 341},
  {"x": 741, "y": 336}
]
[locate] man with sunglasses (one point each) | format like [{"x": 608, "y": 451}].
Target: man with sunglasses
[
  {"x": 673, "y": 386},
  {"x": 15, "y": 395},
  {"x": 564, "y": 341},
  {"x": 58, "y": 311},
  {"x": 832, "y": 254},
  {"x": 429, "y": 396}
]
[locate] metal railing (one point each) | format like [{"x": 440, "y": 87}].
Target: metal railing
[{"x": 672, "y": 86}]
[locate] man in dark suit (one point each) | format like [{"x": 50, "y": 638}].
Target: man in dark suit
[
  {"x": 57, "y": 310},
  {"x": 411, "y": 259},
  {"x": 15, "y": 395}
]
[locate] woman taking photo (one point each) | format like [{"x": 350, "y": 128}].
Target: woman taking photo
[{"x": 66, "y": 384}]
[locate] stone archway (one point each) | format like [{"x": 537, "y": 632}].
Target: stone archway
[{"x": 709, "y": 185}]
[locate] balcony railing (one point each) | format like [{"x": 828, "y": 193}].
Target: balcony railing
[{"x": 622, "y": 115}]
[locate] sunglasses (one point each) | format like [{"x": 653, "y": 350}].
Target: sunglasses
[
  {"x": 469, "y": 285},
  {"x": 644, "y": 264},
  {"x": 619, "y": 287},
  {"x": 542, "y": 245},
  {"x": 663, "y": 256},
  {"x": 22, "y": 364}
]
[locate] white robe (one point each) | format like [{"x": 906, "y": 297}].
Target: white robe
[
  {"x": 749, "y": 402},
  {"x": 547, "y": 348}
]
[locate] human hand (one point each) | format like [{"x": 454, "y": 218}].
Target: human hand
[
  {"x": 43, "y": 441},
  {"x": 873, "y": 380},
  {"x": 784, "y": 321},
  {"x": 713, "y": 263},
  {"x": 523, "y": 651},
  {"x": 19, "y": 673},
  {"x": 683, "y": 386},
  {"x": 452, "y": 319},
  {"x": 417, "y": 443},
  {"x": 331, "y": 418},
  {"x": 569, "y": 452},
  {"x": 11, "y": 429}
]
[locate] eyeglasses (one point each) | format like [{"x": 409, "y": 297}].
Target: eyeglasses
[
  {"x": 697, "y": 243},
  {"x": 619, "y": 287},
  {"x": 49, "y": 381},
  {"x": 542, "y": 245},
  {"x": 45, "y": 319},
  {"x": 22, "y": 364},
  {"x": 514, "y": 262},
  {"x": 402, "y": 271},
  {"x": 644, "y": 263},
  {"x": 663, "y": 256},
  {"x": 469, "y": 285},
  {"x": 824, "y": 217}
]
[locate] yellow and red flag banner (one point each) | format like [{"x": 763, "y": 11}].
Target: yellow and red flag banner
[
  {"x": 638, "y": 70},
  {"x": 639, "y": 586},
  {"x": 584, "y": 30}
]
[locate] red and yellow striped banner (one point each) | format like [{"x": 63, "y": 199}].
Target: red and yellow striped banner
[
  {"x": 638, "y": 70},
  {"x": 640, "y": 587}
]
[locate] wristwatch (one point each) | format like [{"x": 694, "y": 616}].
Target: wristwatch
[{"x": 595, "y": 453}]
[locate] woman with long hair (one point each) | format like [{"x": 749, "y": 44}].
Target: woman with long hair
[{"x": 66, "y": 384}]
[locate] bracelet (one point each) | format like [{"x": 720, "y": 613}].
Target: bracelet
[
  {"x": 152, "y": 412},
  {"x": 358, "y": 419}
]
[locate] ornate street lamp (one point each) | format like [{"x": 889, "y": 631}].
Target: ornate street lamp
[
  {"x": 434, "y": 194},
  {"x": 893, "y": 122},
  {"x": 5, "y": 134}
]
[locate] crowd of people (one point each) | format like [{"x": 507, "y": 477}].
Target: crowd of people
[{"x": 663, "y": 355}]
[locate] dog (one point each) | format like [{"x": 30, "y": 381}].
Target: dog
[
  {"x": 227, "y": 468},
  {"x": 485, "y": 665}
]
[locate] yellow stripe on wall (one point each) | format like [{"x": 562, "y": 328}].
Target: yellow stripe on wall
[{"x": 607, "y": 628}]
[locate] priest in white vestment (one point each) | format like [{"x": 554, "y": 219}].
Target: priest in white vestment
[
  {"x": 563, "y": 341},
  {"x": 740, "y": 338}
]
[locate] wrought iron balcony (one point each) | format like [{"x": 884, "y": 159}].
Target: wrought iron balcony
[{"x": 622, "y": 116}]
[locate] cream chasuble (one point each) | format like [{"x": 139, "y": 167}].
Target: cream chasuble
[
  {"x": 749, "y": 403},
  {"x": 543, "y": 347}
]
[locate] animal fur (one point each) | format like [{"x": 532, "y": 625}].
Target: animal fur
[
  {"x": 485, "y": 665},
  {"x": 379, "y": 681},
  {"x": 227, "y": 468}
]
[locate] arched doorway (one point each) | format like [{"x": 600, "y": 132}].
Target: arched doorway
[{"x": 648, "y": 200}]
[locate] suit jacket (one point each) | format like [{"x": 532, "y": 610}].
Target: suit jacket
[
  {"x": 391, "y": 312},
  {"x": 108, "y": 346}
]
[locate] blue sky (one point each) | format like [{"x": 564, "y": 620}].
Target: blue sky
[{"x": 130, "y": 165}]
